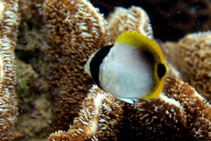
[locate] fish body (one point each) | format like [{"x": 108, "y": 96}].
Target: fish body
[{"x": 132, "y": 68}]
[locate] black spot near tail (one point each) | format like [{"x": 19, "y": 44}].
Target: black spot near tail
[{"x": 161, "y": 70}]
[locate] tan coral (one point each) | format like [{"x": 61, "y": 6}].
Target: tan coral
[
  {"x": 192, "y": 57},
  {"x": 133, "y": 19},
  {"x": 179, "y": 113},
  {"x": 176, "y": 114},
  {"x": 74, "y": 29},
  {"x": 8, "y": 34},
  {"x": 100, "y": 116}
]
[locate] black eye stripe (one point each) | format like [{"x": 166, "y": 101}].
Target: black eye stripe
[
  {"x": 96, "y": 61},
  {"x": 161, "y": 70}
]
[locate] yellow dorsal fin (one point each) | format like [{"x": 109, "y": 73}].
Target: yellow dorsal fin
[
  {"x": 132, "y": 38},
  {"x": 140, "y": 41}
]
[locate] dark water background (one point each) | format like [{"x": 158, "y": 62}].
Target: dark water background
[{"x": 170, "y": 19}]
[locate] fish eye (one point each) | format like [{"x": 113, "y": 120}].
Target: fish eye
[{"x": 161, "y": 70}]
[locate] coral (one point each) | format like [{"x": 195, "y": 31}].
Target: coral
[
  {"x": 170, "y": 19},
  {"x": 133, "y": 19},
  {"x": 8, "y": 36},
  {"x": 74, "y": 30},
  {"x": 192, "y": 56},
  {"x": 178, "y": 113},
  {"x": 99, "y": 118}
]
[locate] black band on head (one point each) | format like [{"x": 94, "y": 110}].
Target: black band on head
[
  {"x": 96, "y": 61},
  {"x": 161, "y": 70}
]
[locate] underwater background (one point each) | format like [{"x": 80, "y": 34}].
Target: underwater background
[{"x": 52, "y": 40}]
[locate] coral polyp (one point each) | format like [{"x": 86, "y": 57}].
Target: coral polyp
[
  {"x": 191, "y": 56},
  {"x": 8, "y": 26},
  {"x": 132, "y": 19},
  {"x": 74, "y": 30},
  {"x": 178, "y": 113}
]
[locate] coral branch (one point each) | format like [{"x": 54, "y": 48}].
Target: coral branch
[
  {"x": 99, "y": 118},
  {"x": 179, "y": 113},
  {"x": 74, "y": 30},
  {"x": 192, "y": 56},
  {"x": 133, "y": 19},
  {"x": 8, "y": 34}
]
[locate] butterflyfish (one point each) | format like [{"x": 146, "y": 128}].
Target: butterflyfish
[{"x": 132, "y": 68}]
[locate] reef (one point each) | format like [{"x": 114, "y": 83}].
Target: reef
[
  {"x": 30, "y": 48},
  {"x": 31, "y": 13},
  {"x": 34, "y": 104},
  {"x": 179, "y": 113},
  {"x": 9, "y": 20},
  {"x": 55, "y": 44},
  {"x": 192, "y": 56},
  {"x": 74, "y": 30},
  {"x": 100, "y": 110},
  {"x": 132, "y": 19}
]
